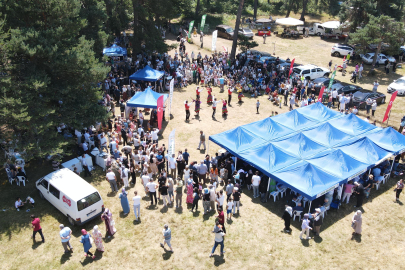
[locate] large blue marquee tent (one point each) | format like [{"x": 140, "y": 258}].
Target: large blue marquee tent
[
  {"x": 146, "y": 99},
  {"x": 312, "y": 149},
  {"x": 147, "y": 74},
  {"x": 115, "y": 50}
]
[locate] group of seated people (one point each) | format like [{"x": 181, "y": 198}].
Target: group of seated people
[{"x": 20, "y": 204}]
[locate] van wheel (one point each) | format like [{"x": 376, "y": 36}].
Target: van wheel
[
  {"x": 71, "y": 221},
  {"x": 326, "y": 75},
  {"x": 319, "y": 33},
  {"x": 41, "y": 195},
  {"x": 337, "y": 54},
  {"x": 307, "y": 78}
]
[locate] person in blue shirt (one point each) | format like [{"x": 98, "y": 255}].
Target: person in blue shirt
[
  {"x": 186, "y": 156},
  {"x": 65, "y": 234}
]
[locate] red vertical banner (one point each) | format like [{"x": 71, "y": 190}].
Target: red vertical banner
[
  {"x": 321, "y": 94},
  {"x": 387, "y": 112},
  {"x": 160, "y": 102},
  {"x": 291, "y": 68}
]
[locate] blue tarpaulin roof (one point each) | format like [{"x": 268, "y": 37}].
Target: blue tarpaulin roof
[
  {"x": 147, "y": 74},
  {"x": 311, "y": 149},
  {"x": 115, "y": 50},
  {"x": 145, "y": 99}
]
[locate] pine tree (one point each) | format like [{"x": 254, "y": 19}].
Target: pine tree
[{"x": 52, "y": 75}]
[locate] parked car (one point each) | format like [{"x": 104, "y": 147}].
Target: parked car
[
  {"x": 341, "y": 50},
  {"x": 381, "y": 58},
  {"x": 79, "y": 201},
  {"x": 348, "y": 89},
  {"x": 255, "y": 52},
  {"x": 224, "y": 31},
  {"x": 397, "y": 85},
  {"x": 246, "y": 32},
  {"x": 322, "y": 81},
  {"x": 311, "y": 72},
  {"x": 360, "y": 97}
]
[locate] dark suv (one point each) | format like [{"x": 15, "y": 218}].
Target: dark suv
[{"x": 225, "y": 31}]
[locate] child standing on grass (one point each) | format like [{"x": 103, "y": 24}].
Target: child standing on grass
[{"x": 229, "y": 208}]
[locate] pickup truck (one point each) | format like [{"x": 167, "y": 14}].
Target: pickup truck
[{"x": 315, "y": 29}]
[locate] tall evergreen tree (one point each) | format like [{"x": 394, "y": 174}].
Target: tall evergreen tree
[{"x": 52, "y": 75}]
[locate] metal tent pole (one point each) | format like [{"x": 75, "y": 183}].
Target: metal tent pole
[
  {"x": 309, "y": 209},
  {"x": 236, "y": 160},
  {"x": 392, "y": 166}
]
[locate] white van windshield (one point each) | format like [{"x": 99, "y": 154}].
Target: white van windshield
[{"x": 88, "y": 201}]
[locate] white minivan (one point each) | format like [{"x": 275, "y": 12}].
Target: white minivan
[{"x": 72, "y": 195}]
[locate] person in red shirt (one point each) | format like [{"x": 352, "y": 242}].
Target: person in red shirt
[
  {"x": 197, "y": 92},
  {"x": 36, "y": 225},
  {"x": 221, "y": 218},
  {"x": 209, "y": 98},
  {"x": 229, "y": 96},
  {"x": 187, "y": 106}
]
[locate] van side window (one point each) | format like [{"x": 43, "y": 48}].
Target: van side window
[
  {"x": 54, "y": 191},
  {"x": 306, "y": 72},
  {"x": 44, "y": 183}
]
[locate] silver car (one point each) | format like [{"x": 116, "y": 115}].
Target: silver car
[
  {"x": 368, "y": 58},
  {"x": 246, "y": 32}
]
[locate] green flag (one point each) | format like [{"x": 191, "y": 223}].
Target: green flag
[
  {"x": 203, "y": 22},
  {"x": 331, "y": 80},
  {"x": 190, "y": 28}
]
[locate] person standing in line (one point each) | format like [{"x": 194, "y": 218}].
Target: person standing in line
[
  {"x": 85, "y": 240},
  {"x": 65, "y": 234},
  {"x": 206, "y": 200},
  {"x": 236, "y": 199},
  {"x": 36, "y": 226},
  {"x": 112, "y": 179},
  {"x": 98, "y": 239},
  {"x": 187, "y": 106},
  {"x": 318, "y": 221},
  {"x": 124, "y": 201},
  {"x": 214, "y": 107},
  {"x": 151, "y": 188},
  {"x": 255, "y": 183},
  {"x": 398, "y": 189},
  {"x": 229, "y": 207},
  {"x": 357, "y": 222},
  {"x": 109, "y": 222},
  {"x": 196, "y": 198},
  {"x": 257, "y": 106},
  {"x": 219, "y": 239},
  {"x": 373, "y": 107},
  {"x": 167, "y": 235},
  {"x": 305, "y": 227},
  {"x": 202, "y": 140},
  {"x": 221, "y": 218},
  {"x": 164, "y": 192},
  {"x": 172, "y": 165},
  {"x": 125, "y": 175},
  {"x": 85, "y": 166},
  {"x": 287, "y": 218},
  {"x": 179, "y": 192},
  {"x": 359, "y": 190},
  {"x": 212, "y": 197}
]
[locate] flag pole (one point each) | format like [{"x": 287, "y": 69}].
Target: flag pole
[{"x": 389, "y": 114}]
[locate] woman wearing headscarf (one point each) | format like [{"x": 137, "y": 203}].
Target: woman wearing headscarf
[
  {"x": 98, "y": 239},
  {"x": 85, "y": 240},
  {"x": 287, "y": 218},
  {"x": 190, "y": 188},
  {"x": 357, "y": 222},
  {"x": 305, "y": 227},
  {"x": 124, "y": 201},
  {"x": 109, "y": 222}
]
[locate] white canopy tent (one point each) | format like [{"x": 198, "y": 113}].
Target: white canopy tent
[
  {"x": 331, "y": 24},
  {"x": 289, "y": 22}
]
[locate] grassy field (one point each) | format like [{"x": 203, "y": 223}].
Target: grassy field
[{"x": 255, "y": 239}]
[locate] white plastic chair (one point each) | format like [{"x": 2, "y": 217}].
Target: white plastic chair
[
  {"x": 304, "y": 201},
  {"x": 297, "y": 214},
  {"x": 21, "y": 179},
  {"x": 377, "y": 185},
  {"x": 9, "y": 175},
  {"x": 274, "y": 194},
  {"x": 282, "y": 192},
  {"x": 386, "y": 177},
  {"x": 325, "y": 212}
]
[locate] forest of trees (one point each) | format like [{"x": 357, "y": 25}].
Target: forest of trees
[{"x": 51, "y": 61}]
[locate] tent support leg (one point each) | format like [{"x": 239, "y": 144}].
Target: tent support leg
[
  {"x": 309, "y": 209},
  {"x": 392, "y": 166},
  {"x": 236, "y": 160},
  {"x": 208, "y": 148}
]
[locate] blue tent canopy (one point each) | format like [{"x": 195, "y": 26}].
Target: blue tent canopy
[
  {"x": 237, "y": 139},
  {"x": 311, "y": 149},
  {"x": 365, "y": 151},
  {"x": 339, "y": 164},
  {"x": 147, "y": 74},
  {"x": 268, "y": 129},
  {"x": 307, "y": 179},
  {"x": 115, "y": 50},
  {"x": 326, "y": 134},
  {"x": 146, "y": 99},
  {"x": 300, "y": 146},
  {"x": 388, "y": 139}
]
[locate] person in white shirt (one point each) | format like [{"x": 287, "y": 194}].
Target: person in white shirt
[
  {"x": 219, "y": 239},
  {"x": 141, "y": 117},
  {"x": 255, "y": 183},
  {"x": 214, "y": 107},
  {"x": 112, "y": 179},
  {"x": 172, "y": 165},
  {"x": 375, "y": 86},
  {"x": 354, "y": 110},
  {"x": 220, "y": 199},
  {"x": 305, "y": 227},
  {"x": 155, "y": 133},
  {"x": 19, "y": 204},
  {"x": 229, "y": 207},
  {"x": 85, "y": 166},
  {"x": 137, "y": 205},
  {"x": 334, "y": 96},
  {"x": 151, "y": 188},
  {"x": 145, "y": 180},
  {"x": 124, "y": 176},
  {"x": 103, "y": 143},
  {"x": 113, "y": 146}
]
